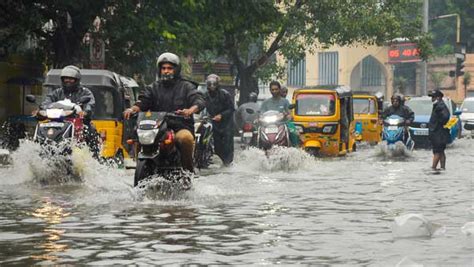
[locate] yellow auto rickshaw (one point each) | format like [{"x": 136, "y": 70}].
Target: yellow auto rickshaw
[
  {"x": 112, "y": 97},
  {"x": 323, "y": 115},
  {"x": 367, "y": 112}
]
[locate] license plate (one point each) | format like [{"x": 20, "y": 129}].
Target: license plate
[
  {"x": 418, "y": 132},
  {"x": 248, "y": 134},
  {"x": 271, "y": 130},
  {"x": 52, "y": 124}
]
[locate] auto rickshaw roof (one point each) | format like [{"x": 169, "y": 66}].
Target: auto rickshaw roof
[
  {"x": 377, "y": 95},
  {"x": 341, "y": 90},
  {"x": 89, "y": 77},
  {"x": 128, "y": 82}
]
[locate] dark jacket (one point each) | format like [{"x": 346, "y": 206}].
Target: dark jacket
[
  {"x": 402, "y": 111},
  {"x": 439, "y": 117},
  {"x": 181, "y": 94},
  {"x": 220, "y": 103},
  {"x": 60, "y": 94}
]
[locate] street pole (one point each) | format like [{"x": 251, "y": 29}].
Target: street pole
[{"x": 424, "y": 64}]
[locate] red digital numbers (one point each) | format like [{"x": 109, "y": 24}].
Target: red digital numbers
[
  {"x": 403, "y": 52},
  {"x": 394, "y": 53}
]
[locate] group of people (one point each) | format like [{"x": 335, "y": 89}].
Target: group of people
[
  {"x": 438, "y": 134},
  {"x": 173, "y": 93}
]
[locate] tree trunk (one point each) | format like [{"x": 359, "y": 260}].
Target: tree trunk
[{"x": 248, "y": 84}]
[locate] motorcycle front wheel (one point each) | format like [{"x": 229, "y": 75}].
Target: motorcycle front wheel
[{"x": 143, "y": 170}]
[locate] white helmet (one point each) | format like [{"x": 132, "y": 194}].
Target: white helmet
[
  {"x": 72, "y": 72},
  {"x": 172, "y": 59}
]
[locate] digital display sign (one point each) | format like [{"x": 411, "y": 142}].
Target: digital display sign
[{"x": 403, "y": 52}]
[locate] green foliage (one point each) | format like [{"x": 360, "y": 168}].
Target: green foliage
[
  {"x": 466, "y": 79},
  {"x": 437, "y": 78}
]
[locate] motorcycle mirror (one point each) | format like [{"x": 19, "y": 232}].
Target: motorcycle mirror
[
  {"x": 250, "y": 111},
  {"x": 31, "y": 98},
  {"x": 291, "y": 106}
]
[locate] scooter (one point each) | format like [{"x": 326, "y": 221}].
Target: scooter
[
  {"x": 394, "y": 133},
  {"x": 272, "y": 130},
  {"x": 203, "y": 151},
  {"x": 59, "y": 129},
  {"x": 158, "y": 153}
]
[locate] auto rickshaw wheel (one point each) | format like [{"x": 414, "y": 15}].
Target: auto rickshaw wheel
[{"x": 313, "y": 151}]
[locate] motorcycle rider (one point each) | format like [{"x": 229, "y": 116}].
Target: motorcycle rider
[
  {"x": 171, "y": 93},
  {"x": 72, "y": 89},
  {"x": 242, "y": 116},
  {"x": 284, "y": 91},
  {"x": 398, "y": 108},
  {"x": 220, "y": 106},
  {"x": 280, "y": 104}
]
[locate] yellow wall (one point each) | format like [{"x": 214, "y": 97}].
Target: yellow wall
[{"x": 349, "y": 57}]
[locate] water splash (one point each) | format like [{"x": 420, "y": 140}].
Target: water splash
[
  {"x": 398, "y": 150},
  {"x": 277, "y": 159}
]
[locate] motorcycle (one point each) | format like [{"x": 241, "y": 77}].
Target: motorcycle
[
  {"x": 394, "y": 133},
  {"x": 59, "y": 130},
  {"x": 248, "y": 132},
  {"x": 158, "y": 154},
  {"x": 203, "y": 151},
  {"x": 272, "y": 130}
]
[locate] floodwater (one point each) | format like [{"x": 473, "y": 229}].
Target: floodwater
[{"x": 286, "y": 209}]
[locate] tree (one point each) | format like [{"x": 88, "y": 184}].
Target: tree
[
  {"x": 437, "y": 78},
  {"x": 290, "y": 27}
]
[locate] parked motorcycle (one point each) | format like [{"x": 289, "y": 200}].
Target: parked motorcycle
[
  {"x": 203, "y": 150},
  {"x": 394, "y": 133},
  {"x": 158, "y": 154},
  {"x": 272, "y": 130}
]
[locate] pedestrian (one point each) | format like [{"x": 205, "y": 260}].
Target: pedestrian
[
  {"x": 172, "y": 93},
  {"x": 220, "y": 106},
  {"x": 438, "y": 134}
]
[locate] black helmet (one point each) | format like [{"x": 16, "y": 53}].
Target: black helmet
[
  {"x": 173, "y": 60},
  {"x": 253, "y": 97},
  {"x": 397, "y": 96},
  {"x": 71, "y": 71}
]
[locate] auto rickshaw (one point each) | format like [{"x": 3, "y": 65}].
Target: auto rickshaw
[
  {"x": 367, "y": 112},
  {"x": 111, "y": 98},
  {"x": 323, "y": 115}
]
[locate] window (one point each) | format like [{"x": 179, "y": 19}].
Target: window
[
  {"x": 104, "y": 102},
  {"x": 315, "y": 105},
  {"x": 371, "y": 72},
  {"x": 296, "y": 72},
  {"x": 364, "y": 106},
  {"x": 328, "y": 68}
]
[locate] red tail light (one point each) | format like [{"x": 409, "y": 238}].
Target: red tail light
[{"x": 248, "y": 127}]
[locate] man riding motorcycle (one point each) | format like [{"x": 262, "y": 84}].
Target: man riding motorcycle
[
  {"x": 398, "y": 108},
  {"x": 280, "y": 104},
  {"x": 72, "y": 90},
  {"x": 247, "y": 112},
  {"x": 220, "y": 106},
  {"x": 171, "y": 93}
]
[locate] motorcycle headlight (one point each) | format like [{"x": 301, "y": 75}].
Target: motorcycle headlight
[
  {"x": 270, "y": 119},
  {"x": 147, "y": 137}
]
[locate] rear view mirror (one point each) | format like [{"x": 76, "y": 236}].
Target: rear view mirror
[
  {"x": 458, "y": 112},
  {"x": 291, "y": 106},
  {"x": 30, "y": 98},
  {"x": 250, "y": 111}
]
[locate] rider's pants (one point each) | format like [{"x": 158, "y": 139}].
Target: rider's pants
[{"x": 185, "y": 140}]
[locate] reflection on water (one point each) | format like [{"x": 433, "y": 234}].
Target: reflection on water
[
  {"x": 287, "y": 208},
  {"x": 52, "y": 214}
]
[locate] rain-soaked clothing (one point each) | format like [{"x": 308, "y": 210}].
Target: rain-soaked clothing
[
  {"x": 439, "y": 136},
  {"x": 170, "y": 97},
  {"x": 220, "y": 102},
  {"x": 402, "y": 111}
]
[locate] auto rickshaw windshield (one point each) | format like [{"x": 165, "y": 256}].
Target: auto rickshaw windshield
[
  {"x": 364, "y": 106},
  {"x": 315, "y": 105},
  {"x": 104, "y": 99}
]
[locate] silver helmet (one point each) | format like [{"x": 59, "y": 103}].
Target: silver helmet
[
  {"x": 172, "y": 59},
  {"x": 71, "y": 71}
]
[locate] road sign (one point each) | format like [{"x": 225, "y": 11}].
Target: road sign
[{"x": 97, "y": 52}]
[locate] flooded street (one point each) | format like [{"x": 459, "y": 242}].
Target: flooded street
[{"x": 286, "y": 209}]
